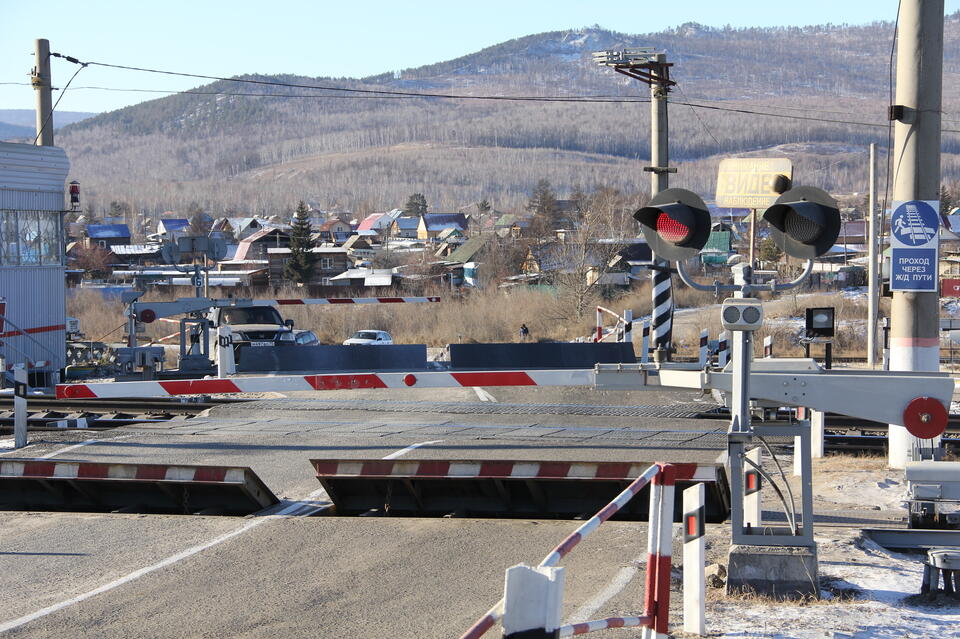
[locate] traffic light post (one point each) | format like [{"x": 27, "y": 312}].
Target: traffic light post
[{"x": 805, "y": 223}]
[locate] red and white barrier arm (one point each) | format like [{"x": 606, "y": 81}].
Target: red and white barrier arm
[
  {"x": 602, "y": 624},
  {"x": 334, "y": 381},
  {"x": 594, "y": 522},
  {"x": 348, "y": 300}
]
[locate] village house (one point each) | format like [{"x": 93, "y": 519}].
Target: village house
[
  {"x": 255, "y": 247},
  {"x": 431, "y": 225},
  {"x": 106, "y": 236},
  {"x": 405, "y": 227},
  {"x": 330, "y": 261},
  {"x": 333, "y": 231}
]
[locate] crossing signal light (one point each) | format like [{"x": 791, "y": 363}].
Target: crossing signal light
[
  {"x": 804, "y": 222},
  {"x": 676, "y": 224}
]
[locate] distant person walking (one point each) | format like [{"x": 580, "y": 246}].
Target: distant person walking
[{"x": 524, "y": 332}]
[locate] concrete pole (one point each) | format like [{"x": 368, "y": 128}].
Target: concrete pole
[
  {"x": 661, "y": 286},
  {"x": 914, "y": 342},
  {"x": 873, "y": 280},
  {"x": 40, "y": 78}
]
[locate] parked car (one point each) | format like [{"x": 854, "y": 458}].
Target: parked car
[
  {"x": 369, "y": 338},
  {"x": 306, "y": 338}
]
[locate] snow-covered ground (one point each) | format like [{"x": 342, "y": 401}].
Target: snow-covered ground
[{"x": 867, "y": 592}]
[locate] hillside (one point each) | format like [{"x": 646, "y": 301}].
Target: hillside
[
  {"x": 262, "y": 151},
  {"x": 17, "y": 124}
]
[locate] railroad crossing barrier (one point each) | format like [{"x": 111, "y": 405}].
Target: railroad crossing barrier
[
  {"x": 560, "y": 355},
  {"x": 156, "y": 488},
  {"x": 434, "y": 488},
  {"x": 280, "y": 383},
  {"x": 288, "y": 358},
  {"x": 622, "y": 330},
  {"x": 520, "y": 621}
]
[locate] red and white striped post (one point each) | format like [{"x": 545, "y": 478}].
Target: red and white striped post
[
  {"x": 659, "y": 551},
  {"x": 768, "y": 346},
  {"x": 599, "y": 335}
]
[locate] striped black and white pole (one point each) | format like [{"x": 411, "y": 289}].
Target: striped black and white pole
[{"x": 662, "y": 315}]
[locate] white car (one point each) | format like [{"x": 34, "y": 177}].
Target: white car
[{"x": 369, "y": 338}]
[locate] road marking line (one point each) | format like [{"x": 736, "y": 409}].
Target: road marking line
[
  {"x": 620, "y": 581},
  {"x": 484, "y": 395},
  {"x": 80, "y": 445},
  {"x": 404, "y": 451},
  {"x": 293, "y": 509}
]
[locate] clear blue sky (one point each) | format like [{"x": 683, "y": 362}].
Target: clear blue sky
[{"x": 329, "y": 38}]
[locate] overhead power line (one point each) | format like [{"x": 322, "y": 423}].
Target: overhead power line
[{"x": 389, "y": 93}]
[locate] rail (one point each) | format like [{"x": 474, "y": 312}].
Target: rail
[{"x": 659, "y": 534}]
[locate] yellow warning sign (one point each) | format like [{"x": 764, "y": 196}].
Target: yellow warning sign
[{"x": 747, "y": 183}]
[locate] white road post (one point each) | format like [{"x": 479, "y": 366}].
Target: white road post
[
  {"x": 20, "y": 406},
  {"x": 723, "y": 349},
  {"x": 704, "y": 348},
  {"x": 628, "y": 326},
  {"x": 533, "y": 601},
  {"x": 751, "y": 492},
  {"x": 225, "y": 363},
  {"x": 645, "y": 343},
  {"x": 768, "y": 346},
  {"x": 694, "y": 555},
  {"x": 816, "y": 433}
]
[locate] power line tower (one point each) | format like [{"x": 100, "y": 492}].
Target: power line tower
[{"x": 647, "y": 65}]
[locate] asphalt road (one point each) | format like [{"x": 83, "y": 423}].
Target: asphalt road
[{"x": 117, "y": 575}]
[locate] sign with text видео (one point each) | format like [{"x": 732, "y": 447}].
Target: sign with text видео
[
  {"x": 914, "y": 246},
  {"x": 748, "y": 183}
]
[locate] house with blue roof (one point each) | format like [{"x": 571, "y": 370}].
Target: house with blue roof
[
  {"x": 433, "y": 224},
  {"x": 171, "y": 229},
  {"x": 405, "y": 227},
  {"x": 107, "y": 235}
]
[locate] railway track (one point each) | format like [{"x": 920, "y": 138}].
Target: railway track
[{"x": 46, "y": 412}]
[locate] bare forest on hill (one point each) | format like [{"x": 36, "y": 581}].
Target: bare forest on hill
[{"x": 261, "y": 153}]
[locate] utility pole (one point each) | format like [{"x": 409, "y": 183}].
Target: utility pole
[
  {"x": 873, "y": 295},
  {"x": 43, "y": 90},
  {"x": 914, "y": 342},
  {"x": 648, "y": 66}
]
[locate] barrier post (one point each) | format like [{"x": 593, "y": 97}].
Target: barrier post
[
  {"x": 704, "y": 353},
  {"x": 599, "y": 335},
  {"x": 768, "y": 346},
  {"x": 645, "y": 342},
  {"x": 628, "y": 326},
  {"x": 659, "y": 553},
  {"x": 225, "y": 362},
  {"x": 694, "y": 554},
  {"x": 533, "y": 602},
  {"x": 752, "y": 483},
  {"x": 816, "y": 433},
  {"x": 20, "y": 389},
  {"x": 723, "y": 349}
]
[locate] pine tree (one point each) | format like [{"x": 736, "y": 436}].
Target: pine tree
[
  {"x": 543, "y": 205},
  {"x": 416, "y": 205},
  {"x": 300, "y": 266},
  {"x": 946, "y": 200}
]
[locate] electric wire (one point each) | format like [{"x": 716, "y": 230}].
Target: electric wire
[
  {"x": 889, "y": 158},
  {"x": 783, "y": 477},
  {"x": 63, "y": 92},
  {"x": 776, "y": 489},
  {"x": 449, "y": 96}
]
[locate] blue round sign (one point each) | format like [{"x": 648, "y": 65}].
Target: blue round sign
[{"x": 915, "y": 223}]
